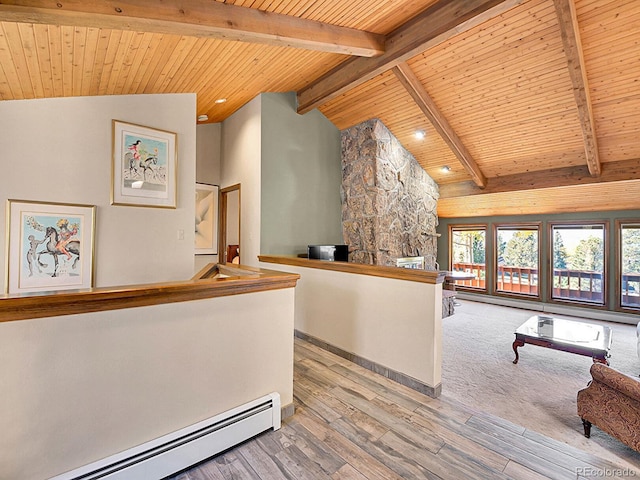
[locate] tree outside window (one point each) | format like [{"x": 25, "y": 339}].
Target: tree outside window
[
  {"x": 522, "y": 249},
  {"x": 468, "y": 246},
  {"x": 559, "y": 251}
]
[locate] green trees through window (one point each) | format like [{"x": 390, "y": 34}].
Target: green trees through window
[
  {"x": 521, "y": 250},
  {"x": 578, "y": 253},
  {"x": 559, "y": 251},
  {"x": 469, "y": 246}
]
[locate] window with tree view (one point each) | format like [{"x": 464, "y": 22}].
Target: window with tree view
[
  {"x": 629, "y": 244},
  {"x": 468, "y": 252},
  {"x": 518, "y": 259},
  {"x": 578, "y": 253}
]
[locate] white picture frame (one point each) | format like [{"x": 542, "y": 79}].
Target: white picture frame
[{"x": 206, "y": 219}]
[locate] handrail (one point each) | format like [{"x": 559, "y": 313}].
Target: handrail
[
  {"x": 414, "y": 275},
  {"x": 243, "y": 279}
]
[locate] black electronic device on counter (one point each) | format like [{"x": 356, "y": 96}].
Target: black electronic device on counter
[{"x": 332, "y": 253}]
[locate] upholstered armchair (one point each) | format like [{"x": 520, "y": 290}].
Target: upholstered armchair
[{"x": 611, "y": 402}]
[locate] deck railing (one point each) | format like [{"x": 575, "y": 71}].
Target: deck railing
[
  {"x": 478, "y": 269},
  {"x": 567, "y": 284},
  {"x": 630, "y": 291},
  {"x": 510, "y": 279},
  {"x": 582, "y": 285},
  {"x": 517, "y": 280}
]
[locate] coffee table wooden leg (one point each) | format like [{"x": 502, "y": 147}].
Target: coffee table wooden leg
[{"x": 517, "y": 343}]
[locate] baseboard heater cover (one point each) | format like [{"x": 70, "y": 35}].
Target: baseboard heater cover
[{"x": 176, "y": 451}]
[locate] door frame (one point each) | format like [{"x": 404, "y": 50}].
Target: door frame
[{"x": 222, "y": 237}]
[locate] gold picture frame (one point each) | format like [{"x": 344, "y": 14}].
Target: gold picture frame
[
  {"x": 50, "y": 246},
  {"x": 144, "y": 166}
]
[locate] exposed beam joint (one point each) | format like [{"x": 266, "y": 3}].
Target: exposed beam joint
[
  {"x": 197, "y": 18},
  {"x": 557, "y": 177},
  {"x": 432, "y": 27},
  {"x": 417, "y": 91},
  {"x": 568, "y": 21}
]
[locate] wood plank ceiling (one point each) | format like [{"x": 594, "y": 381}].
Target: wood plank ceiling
[{"x": 534, "y": 105}]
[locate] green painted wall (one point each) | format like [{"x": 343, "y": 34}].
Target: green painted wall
[
  {"x": 612, "y": 216},
  {"x": 301, "y": 177}
]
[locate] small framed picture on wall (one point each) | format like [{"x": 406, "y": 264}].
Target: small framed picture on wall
[
  {"x": 144, "y": 170},
  {"x": 206, "y": 221}
]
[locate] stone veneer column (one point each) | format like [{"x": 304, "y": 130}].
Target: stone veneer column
[{"x": 388, "y": 201}]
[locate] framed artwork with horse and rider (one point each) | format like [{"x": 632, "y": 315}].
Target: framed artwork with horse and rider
[
  {"x": 50, "y": 246},
  {"x": 144, "y": 170}
]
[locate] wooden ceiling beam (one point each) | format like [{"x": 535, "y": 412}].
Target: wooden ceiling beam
[
  {"x": 568, "y": 21},
  {"x": 197, "y": 18},
  {"x": 414, "y": 87},
  {"x": 432, "y": 27},
  {"x": 557, "y": 177}
]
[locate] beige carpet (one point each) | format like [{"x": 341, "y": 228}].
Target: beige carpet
[{"x": 539, "y": 393}]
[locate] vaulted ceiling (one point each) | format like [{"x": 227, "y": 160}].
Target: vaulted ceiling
[{"x": 534, "y": 105}]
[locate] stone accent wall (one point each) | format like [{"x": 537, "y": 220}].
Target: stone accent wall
[
  {"x": 388, "y": 200},
  {"x": 448, "y": 303}
]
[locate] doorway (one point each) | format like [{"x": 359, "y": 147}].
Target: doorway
[{"x": 229, "y": 241}]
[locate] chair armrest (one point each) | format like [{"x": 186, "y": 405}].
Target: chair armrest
[{"x": 625, "y": 384}]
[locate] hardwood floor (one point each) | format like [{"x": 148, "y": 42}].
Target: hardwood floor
[{"x": 353, "y": 424}]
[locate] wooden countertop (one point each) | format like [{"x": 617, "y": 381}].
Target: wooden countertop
[
  {"x": 241, "y": 279},
  {"x": 412, "y": 275}
]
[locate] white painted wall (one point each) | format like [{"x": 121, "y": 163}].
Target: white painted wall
[
  {"x": 60, "y": 150},
  {"x": 395, "y": 323},
  {"x": 301, "y": 178},
  {"x": 241, "y": 163},
  {"x": 208, "y": 153},
  {"x": 79, "y": 388},
  {"x": 208, "y": 168}
]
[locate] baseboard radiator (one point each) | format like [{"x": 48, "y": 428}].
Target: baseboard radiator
[{"x": 176, "y": 451}]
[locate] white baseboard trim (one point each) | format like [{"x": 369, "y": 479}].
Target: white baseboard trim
[{"x": 603, "y": 315}]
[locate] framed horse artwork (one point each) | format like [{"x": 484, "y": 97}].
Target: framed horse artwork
[
  {"x": 144, "y": 170},
  {"x": 50, "y": 246}
]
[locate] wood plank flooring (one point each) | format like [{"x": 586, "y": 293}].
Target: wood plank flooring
[{"x": 352, "y": 424}]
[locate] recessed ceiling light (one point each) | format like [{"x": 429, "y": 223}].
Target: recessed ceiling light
[
  {"x": 221, "y": 100},
  {"x": 446, "y": 169},
  {"x": 203, "y": 118},
  {"x": 419, "y": 134}
]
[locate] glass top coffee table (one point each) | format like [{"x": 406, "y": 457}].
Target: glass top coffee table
[{"x": 567, "y": 335}]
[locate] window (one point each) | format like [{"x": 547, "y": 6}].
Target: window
[
  {"x": 467, "y": 253},
  {"x": 578, "y": 255},
  {"x": 629, "y": 264},
  {"x": 518, "y": 259}
]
